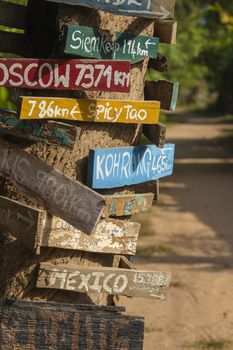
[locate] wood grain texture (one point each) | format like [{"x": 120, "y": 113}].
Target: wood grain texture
[
  {"x": 109, "y": 236},
  {"x": 146, "y": 284},
  {"x": 156, "y": 134},
  {"x": 101, "y": 111},
  {"x": 42, "y": 326},
  {"x": 92, "y": 75},
  {"x": 166, "y": 31},
  {"x": 14, "y": 43},
  {"x": 164, "y": 91},
  {"x": 126, "y": 166},
  {"x": 48, "y": 132},
  {"x": 123, "y": 205},
  {"x": 70, "y": 200},
  {"x": 148, "y": 8},
  {"x": 36, "y": 228},
  {"x": 24, "y": 222},
  {"x": 94, "y": 43},
  {"x": 12, "y": 15}
]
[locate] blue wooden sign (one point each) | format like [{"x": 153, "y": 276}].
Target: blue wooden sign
[
  {"x": 118, "y": 167},
  {"x": 140, "y": 8}
]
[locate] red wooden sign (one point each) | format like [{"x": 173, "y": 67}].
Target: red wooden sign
[{"x": 103, "y": 75}]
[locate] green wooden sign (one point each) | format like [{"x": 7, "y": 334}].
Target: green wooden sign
[{"x": 94, "y": 43}]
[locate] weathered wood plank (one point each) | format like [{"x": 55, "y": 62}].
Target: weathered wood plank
[
  {"x": 109, "y": 236},
  {"x": 101, "y": 111},
  {"x": 103, "y": 75},
  {"x": 166, "y": 31},
  {"x": 156, "y": 134},
  {"x": 12, "y": 43},
  {"x": 37, "y": 228},
  {"x": 12, "y": 15},
  {"x": 148, "y": 8},
  {"x": 40, "y": 326},
  {"x": 93, "y": 42},
  {"x": 23, "y": 222},
  {"x": 160, "y": 63},
  {"x": 164, "y": 91},
  {"x": 49, "y": 132},
  {"x": 123, "y": 205},
  {"x": 146, "y": 284},
  {"x": 117, "y": 167},
  {"x": 61, "y": 196}
]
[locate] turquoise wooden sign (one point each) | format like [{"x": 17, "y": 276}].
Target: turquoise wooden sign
[
  {"x": 124, "y": 166},
  {"x": 140, "y": 8},
  {"x": 93, "y": 43}
]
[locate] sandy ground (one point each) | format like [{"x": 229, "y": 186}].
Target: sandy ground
[{"x": 190, "y": 233}]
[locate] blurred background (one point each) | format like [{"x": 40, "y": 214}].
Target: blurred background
[{"x": 190, "y": 230}]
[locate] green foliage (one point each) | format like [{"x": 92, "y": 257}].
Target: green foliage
[
  {"x": 202, "y": 58},
  {"x": 5, "y": 101}
]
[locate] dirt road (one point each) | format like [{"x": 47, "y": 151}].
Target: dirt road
[{"x": 190, "y": 233}]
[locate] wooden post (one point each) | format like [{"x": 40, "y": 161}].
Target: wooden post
[{"x": 45, "y": 36}]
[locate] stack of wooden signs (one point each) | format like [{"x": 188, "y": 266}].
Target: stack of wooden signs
[{"x": 93, "y": 214}]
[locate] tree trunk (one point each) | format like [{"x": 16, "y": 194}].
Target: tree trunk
[{"x": 19, "y": 265}]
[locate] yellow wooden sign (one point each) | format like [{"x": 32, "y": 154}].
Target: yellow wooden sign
[{"x": 102, "y": 111}]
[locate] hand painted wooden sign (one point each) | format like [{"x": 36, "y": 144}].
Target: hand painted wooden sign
[
  {"x": 61, "y": 196},
  {"x": 12, "y": 16},
  {"x": 36, "y": 228},
  {"x": 42, "y": 325},
  {"x": 156, "y": 134},
  {"x": 49, "y": 132},
  {"x": 65, "y": 74},
  {"x": 109, "y": 236},
  {"x": 164, "y": 91},
  {"x": 117, "y": 167},
  {"x": 147, "y": 8},
  {"x": 92, "y": 42},
  {"x": 113, "y": 281},
  {"x": 101, "y": 111},
  {"x": 123, "y": 205}
]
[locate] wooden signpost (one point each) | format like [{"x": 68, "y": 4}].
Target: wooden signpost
[
  {"x": 61, "y": 196},
  {"x": 123, "y": 205},
  {"x": 77, "y": 226},
  {"x": 117, "y": 167},
  {"x": 65, "y": 74},
  {"x": 164, "y": 91},
  {"x": 36, "y": 228},
  {"x": 148, "y": 8},
  {"x": 156, "y": 134},
  {"x": 49, "y": 132},
  {"x": 40, "y": 325},
  {"x": 113, "y": 281},
  {"x": 101, "y": 111},
  {"x": 92, "y": 42}
]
